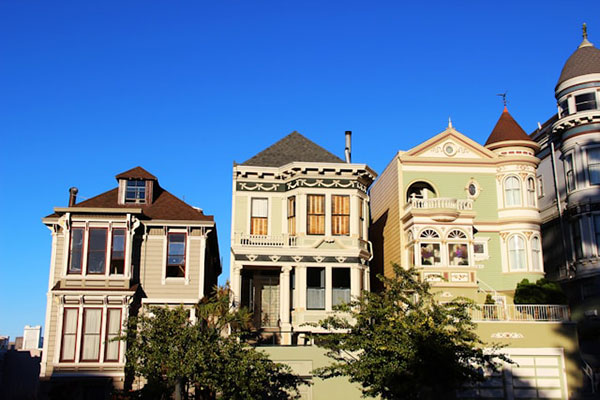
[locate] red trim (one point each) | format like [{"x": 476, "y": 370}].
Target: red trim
[
  {"x": 88, "y": 251},
  {"x": 184, "y": 254},
  {"x": 83, "y": 335},
  {"x": 112, "y": 247},
  {"x": 106, "y": 333},
  {"x": 71, "y": 252},
  {"x": 62, "y": 340}
]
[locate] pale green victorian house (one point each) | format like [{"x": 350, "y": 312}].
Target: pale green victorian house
[{"x": 466, "y": 216}]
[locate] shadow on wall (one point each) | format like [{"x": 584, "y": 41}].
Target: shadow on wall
[
  {"x": 19, "y": 374},
  {"x": 377, "y": 238}
]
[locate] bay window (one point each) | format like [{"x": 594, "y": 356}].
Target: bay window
[
  {"x": 315, "y": 288},
  {"x": 90, "y": 334},
  {"x": 117, "y": 254},
  {"x": 340, "y": 215},
  {"x": 315, "y": 214},
  {"x": 458, "y": 253},
  {"x": 96, "y": 260},
  {"x": 76, "y": 251},
  {"x": 430, "y": 247},
  {"x": 176, "y": 255},
  {"x": 259, "y": 217}
]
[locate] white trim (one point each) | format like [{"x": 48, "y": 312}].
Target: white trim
[{"x": 202, "y": 266}]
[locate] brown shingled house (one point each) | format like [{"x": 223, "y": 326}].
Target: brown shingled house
[{"x": 134, "y": 245}]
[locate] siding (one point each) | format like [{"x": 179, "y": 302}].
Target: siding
[
  {"x": 385, "y": 226},
  {"x": 58, "y": 259},
  {"x": 50, "y": 336}
]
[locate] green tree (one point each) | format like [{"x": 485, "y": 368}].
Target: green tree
[
  {"x": 205, "y": 358},
  {"x": 402, "y": 343},
  {"x": 541, "y": 292}
]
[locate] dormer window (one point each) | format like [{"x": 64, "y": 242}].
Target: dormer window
[{"x": 135, "y": 191}]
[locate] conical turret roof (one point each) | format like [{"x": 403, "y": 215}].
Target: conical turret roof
[
  {"x": 507, "y": 129},
  {"x": 585, "y": 60}
]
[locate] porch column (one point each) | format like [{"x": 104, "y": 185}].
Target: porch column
[
  {"x": 367, "y": 279},
  {"x": 284, "y": 305},
  {"x": 236, "y": 284},
  {"x": 328, "y": 288},
  {"x": 355, "y": 282},
  {"x": 300, "y": 288}
]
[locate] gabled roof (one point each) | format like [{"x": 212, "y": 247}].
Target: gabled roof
[
  {"x": 585, "y": 60},
  {"x": 507, "y": 129},
  {"x": 136, "y": 173},
  {"x": 293, "y": 147}
]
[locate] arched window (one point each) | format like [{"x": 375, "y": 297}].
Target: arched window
[
  {"x": 420, "y": 190},
  {"x": 430, "y": 247},
  {"x": 512, "y": 191},
  {"x": 458, "y": 248},
  {"x": 530, "y": 192},
  {"x": 536, "y": 254},
  {"x": 516, "y": 253}
]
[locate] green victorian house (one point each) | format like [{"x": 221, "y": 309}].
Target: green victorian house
[{"x": 466, "y": 216}]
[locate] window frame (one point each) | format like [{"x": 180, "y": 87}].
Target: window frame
[
  {"x": 540, "y": 186},
  {"x": 570, "y": 177},
  {"x": 361, "y": 218},
  {"x": 536, "y": 254},
  {"x": 323, "y": 287},
  {"x": 340, "y": 215},
  {"x": 593, "y": 101},
  {"x": 511, "y": 266},
  {"x": 291, "y": 215},
  {"x": 530, "y": 188},
  {"x": 596, "y": 232},
  {"x": 321, "y": 217},
  {"x": 112, "y": 251},
  {"x": 264, "y": 220},
  {"x": 589, "y": 150},
  {"x": 335, "y": 270},
  {"x": 458, "y": 241},
  {"x": 83, "y": 334},
  {"x": 185, "y": 244},
  {"x": 429, "y": 236}
]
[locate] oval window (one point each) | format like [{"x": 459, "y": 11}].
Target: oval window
[{"x": 472, "y": 189}]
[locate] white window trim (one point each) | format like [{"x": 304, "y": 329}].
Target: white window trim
[
  {"x": 532, "y": 254},
  {"x": 485, "y": 255},
  {"x": 570, "y": 154},
  {"x": 586, "y": 164},
  {"x": 525, "y": 249},
  {"x": 520, "y": 186},
  {"x": 540, "y": 186}
]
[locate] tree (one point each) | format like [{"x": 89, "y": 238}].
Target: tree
[
  {"x": 541, "y": 292},
  {"x": 402, "y": 343},
  {"x": 206, "y": 358}
]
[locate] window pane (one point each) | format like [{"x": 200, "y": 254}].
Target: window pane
[
  {"x": 536, "y": 253},
  {"x": 315, "y": 292},
  {"x": 113, "y": 329},
  {"x": 458, "y": 253},
  {"x": 478, "y": 248},
  {"x": 340, "y": 215},
  {"x": 316, "y": 214},
  {"x": 69, "y": 338},
  {"x": 260, "y": 208},
  {"x": 315, "y": 277},
  {"x": 586, "y": 101},
  {"x": 176, "y": 255},
  {"x": 512, "y": 190},
  {"x": 597, "y": 233},
  {"x": 594, "y": 166},
  {"x": 430, "y": 254},
  {"x": 516, "y": 249},
  {"x": 76, "y": 251}
]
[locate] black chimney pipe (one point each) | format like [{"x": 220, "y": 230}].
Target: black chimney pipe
[{"x": 72, "y": 196}]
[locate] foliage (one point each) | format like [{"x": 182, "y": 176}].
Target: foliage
[
  {"x": 489, "y": 299},
  {"x": 541, "y": 292},
  {"x": 205, "y": 358},
  {"x": 402, "y": 343}
]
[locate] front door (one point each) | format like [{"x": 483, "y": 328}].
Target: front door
[{"x": 266, "y": 301}]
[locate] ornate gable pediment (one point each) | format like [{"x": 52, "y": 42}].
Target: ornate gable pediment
[{"x": 450, "y": 145}]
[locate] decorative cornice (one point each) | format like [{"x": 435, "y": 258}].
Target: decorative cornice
[
  {"x": 301, "y": 182},
  {"x": 297, "y": 259},
  {"x": 507, "y": 335}
]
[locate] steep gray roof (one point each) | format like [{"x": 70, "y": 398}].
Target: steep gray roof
[
  {"x": 293, "y": 147},
  {"x": 585, "y": 60}
]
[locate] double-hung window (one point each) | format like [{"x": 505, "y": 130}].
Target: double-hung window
[
  {"x": 315, "y": 288},
  {"x": 96, "y": 261},
  {"x": 593, "y": 159},
  {"x": 586, "y": 101},
  {"x": 76, "y": 251},
  {"x": 69, "y": 334},
  {"x": 113, "y": 330},
  {"x": 361, "y": 218},
  {"x": 536, "y": 254},
  {"x": 135, "y": 191},
  {"x": 340, "y": 282},
  {"x": 260, "y": 217},
  {"x": 531, "y": 192},
  {"x": 564, "y": 108},
  {"x": 569, "y": 173},
  {"x": 340, "y": 215},
  {"x": 176, "y": 255},
  {"x": 117, "y": 254},
  {"x": 512, "y": 191},
  {"x": 315, "y": 213},
  {"x": 516, "y": 253},
  {"x": 291, "y": 215},
  {"x": 90, "y": 334}
]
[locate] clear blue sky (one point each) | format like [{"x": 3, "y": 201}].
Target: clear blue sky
[{"x": 89, "y": 89}]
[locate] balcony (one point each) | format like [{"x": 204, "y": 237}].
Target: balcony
[
  {"x": 448, "y": 203},
  {"x": 522, "y": 312},
  {"x": 286, "y": 240}
]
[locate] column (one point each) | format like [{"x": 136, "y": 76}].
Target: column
[
  {"x": 300, "y": 288},
  {"x": 355, "y": 282},
  {"x": 328, "y": 288},
  {"x": 284, "y": 305},
  {"x": 236, "y": 284}
]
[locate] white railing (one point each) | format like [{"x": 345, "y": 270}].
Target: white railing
[
  {"x": 521, "y": 312},
  {"x": 441, "y": 202},
  {"x": 283, "y": 240}
]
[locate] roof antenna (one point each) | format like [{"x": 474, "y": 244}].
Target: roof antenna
[
  {"x": 503, "y": 95},
  {"x": 449, "y": 122}
]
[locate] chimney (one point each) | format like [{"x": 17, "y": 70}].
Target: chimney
[
  {"x": 348, "y": 149},
  {"x": 72, "y": 196}
]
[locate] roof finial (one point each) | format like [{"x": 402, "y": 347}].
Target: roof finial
[
  {"x": 585, "y": 42},
  {"x": 503, "y": 95},
  {"x": 449, "y": 123}
]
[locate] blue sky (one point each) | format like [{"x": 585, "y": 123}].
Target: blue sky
[{"x": 89, "y": 89}]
